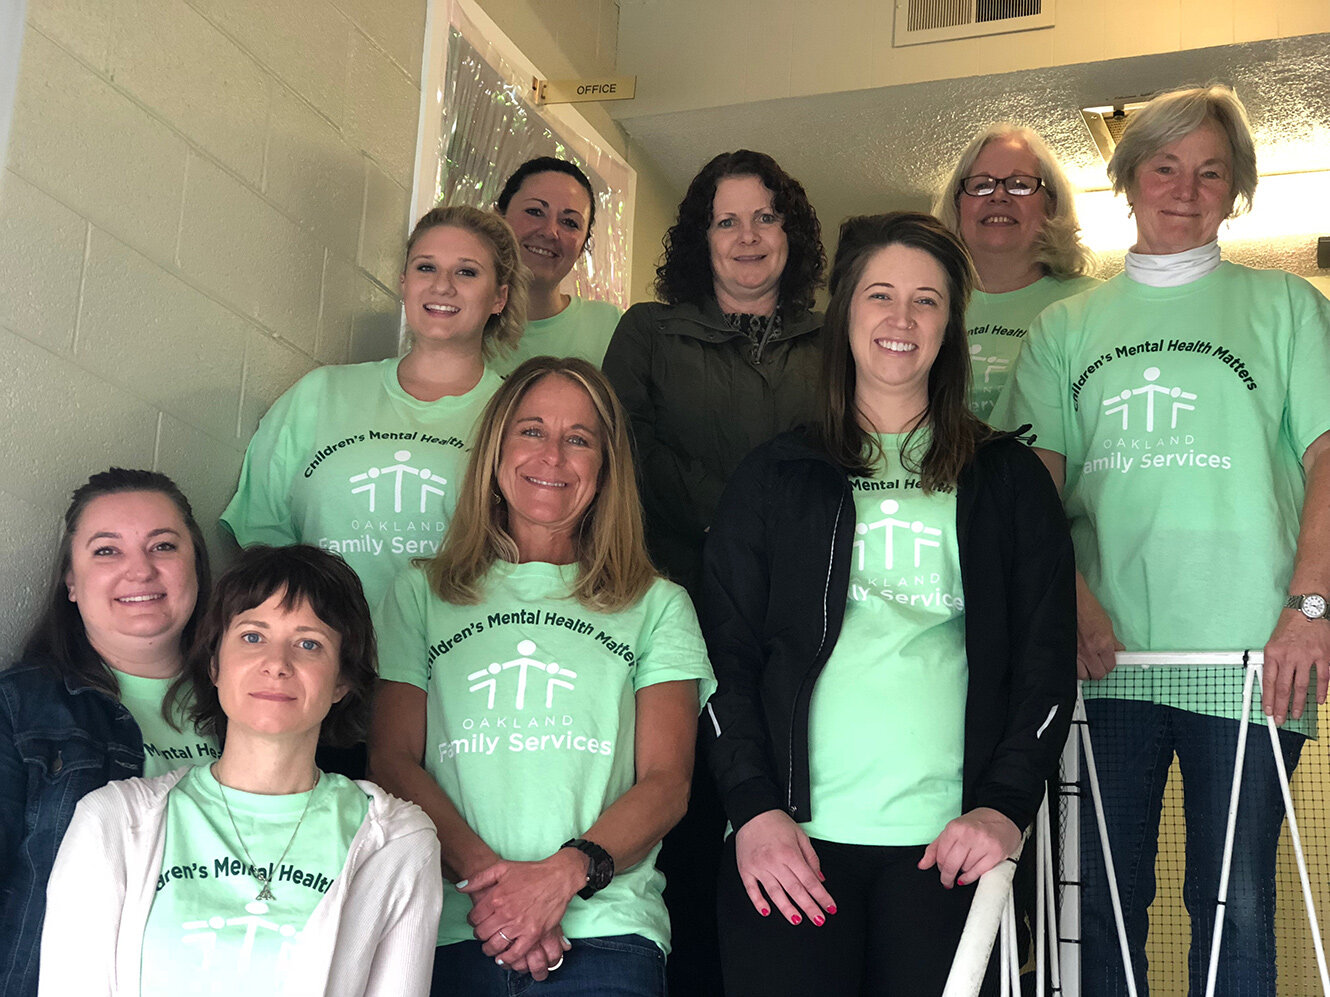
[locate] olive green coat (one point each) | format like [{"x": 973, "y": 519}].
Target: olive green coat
[{"x": 700, "y": 396}]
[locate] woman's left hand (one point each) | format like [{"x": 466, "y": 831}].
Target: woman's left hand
[
  {"x": 970, "y": 845},
  {"x": 515, "y": 904}
]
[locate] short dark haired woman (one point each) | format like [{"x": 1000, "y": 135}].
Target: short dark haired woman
[{"x": 258, "y": 873}]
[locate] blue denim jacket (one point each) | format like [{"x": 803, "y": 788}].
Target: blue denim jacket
[{"x": 58, "y": 742}]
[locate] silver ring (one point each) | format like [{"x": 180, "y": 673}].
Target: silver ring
[
  {"x": 556, "y": 965},
  {"x": 503, "y": 936}
]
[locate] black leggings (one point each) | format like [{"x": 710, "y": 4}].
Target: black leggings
[{"x": 893, "y": 934}]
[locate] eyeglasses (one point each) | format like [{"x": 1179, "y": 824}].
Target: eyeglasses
[{"x": 1017, "y": 185}]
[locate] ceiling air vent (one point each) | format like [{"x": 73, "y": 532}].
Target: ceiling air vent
[{"x": 919, "y": 21}]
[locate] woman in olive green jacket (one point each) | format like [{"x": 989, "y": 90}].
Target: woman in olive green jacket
[
  {"x": 728, "y": 358},
  {"x": 725, "y": 361}
]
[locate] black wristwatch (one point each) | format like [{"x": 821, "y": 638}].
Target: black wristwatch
[{"x": 602, "y": 866}]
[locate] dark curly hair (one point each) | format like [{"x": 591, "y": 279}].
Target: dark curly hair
[{"x": 684, "y": 274}]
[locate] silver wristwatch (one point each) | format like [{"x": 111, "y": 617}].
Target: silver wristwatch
[{"x": 1310, "y": 605}]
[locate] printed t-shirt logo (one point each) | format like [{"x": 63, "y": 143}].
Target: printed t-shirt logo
[
  {"x": 1171, "y": 402},
  {"x": 487, "y": 679},
  {"x": 923, "y": 535},
  {"x": 399, "y": 474},
  {"x": 989, "y": 365}
]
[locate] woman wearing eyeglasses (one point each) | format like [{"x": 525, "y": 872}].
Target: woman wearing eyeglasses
[{"x": 1011, "y": 204}]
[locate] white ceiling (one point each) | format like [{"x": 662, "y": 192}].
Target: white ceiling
[{"x": 875, "y": 150}]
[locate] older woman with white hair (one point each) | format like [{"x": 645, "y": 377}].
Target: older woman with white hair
[
  {"x": 1181, "y": 409},
  {"x": 1011, "y": 204}
]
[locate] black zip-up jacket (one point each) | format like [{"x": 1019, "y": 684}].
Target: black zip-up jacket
[{"x": 776, "y": 576}]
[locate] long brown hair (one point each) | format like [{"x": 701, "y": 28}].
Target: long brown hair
[
  {"x": 58, "y": 638},
  {"x": 955, "y": 431},
  {"x": 614, "y": 568}
]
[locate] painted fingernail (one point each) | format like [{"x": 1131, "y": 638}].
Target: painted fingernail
[
  {"x": 960, "y": 882},
  {"x": 795, "y": 919},
  {"x": 819, "y": 920},
  {"x": 764, "y": 912},
  {"x": 462, "y": 882},
  {"x": 498, "y": 962},
  {"x": 831, "y": 909}
]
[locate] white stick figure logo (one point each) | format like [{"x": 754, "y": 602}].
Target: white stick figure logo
[
  {"x": 397, "y": 474},
  {"x": 488, "y": 678},
  {"x": 1121, "y": 402},
  {"x": 923, "y": 535},
  {"x": 204, "y": 935},
  {"x": 991, "y": 365}
]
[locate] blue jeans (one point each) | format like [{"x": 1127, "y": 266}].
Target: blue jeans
[
  {"x": 1134, "y": 744},
  {"x": 610, "y": 966}
]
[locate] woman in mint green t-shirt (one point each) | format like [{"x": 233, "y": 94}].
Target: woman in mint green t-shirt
[
  {"x": 365, "y": 459},
  {"x": 1181, "y": 408},
  {"x": 888, "y": 600},
  {"x": 539, "y": 700},
  {"x": 1011, "y": 203},
  {"x": 258, "y": 874},
  {"x": 83, "y": 704},
  {"x": 551, "y": 207}
]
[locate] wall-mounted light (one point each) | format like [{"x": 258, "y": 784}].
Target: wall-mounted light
[
  {"x": 1287, "y": 205},
  {"x": 1105, "y": 123}
]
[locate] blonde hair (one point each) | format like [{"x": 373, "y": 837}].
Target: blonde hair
[
  {"x": 504, "y": 329},
  {"x": 1176, "y": 114},
  {"x": 614, "y": 570},
  {"x": 1059, "y": 249}
]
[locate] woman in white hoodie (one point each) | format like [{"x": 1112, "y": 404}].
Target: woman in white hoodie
[{"x": 258, "y": 874}]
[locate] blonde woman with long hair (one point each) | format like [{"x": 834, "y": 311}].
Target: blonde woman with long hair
[{"x": 540, "y": 686}]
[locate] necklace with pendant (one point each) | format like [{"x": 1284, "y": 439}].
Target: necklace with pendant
[{"x": 259, "y": 873}]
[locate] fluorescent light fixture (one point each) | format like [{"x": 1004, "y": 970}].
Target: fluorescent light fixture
[{"x": 1286, "y": 205}]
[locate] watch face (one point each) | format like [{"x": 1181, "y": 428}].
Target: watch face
[{"x": 1313, "y": 606}]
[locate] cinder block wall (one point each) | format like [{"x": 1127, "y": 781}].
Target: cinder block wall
[{"x": 203, "y": 200}]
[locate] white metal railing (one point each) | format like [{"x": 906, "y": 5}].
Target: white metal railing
[{"x": 1057, "y": 933}]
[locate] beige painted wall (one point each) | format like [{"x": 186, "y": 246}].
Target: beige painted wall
[
  {"x": 203, "y": 200},
  {"x": 570, "y": 38},
  {"x": 708, "y": 53}
]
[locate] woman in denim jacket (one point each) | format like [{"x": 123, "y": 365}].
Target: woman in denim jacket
[{"x": 77, "y": 709}]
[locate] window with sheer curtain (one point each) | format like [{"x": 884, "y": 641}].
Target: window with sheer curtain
[{"x": 489, "y": 127}]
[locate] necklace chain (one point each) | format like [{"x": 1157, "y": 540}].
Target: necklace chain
[{"x": 260, "y": 874}]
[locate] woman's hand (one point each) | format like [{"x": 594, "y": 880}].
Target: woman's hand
[
  {"x": 545, "y": 956},
  {"x": 776, "y": 856},
  {"x": 1296, "y": 648},
  {"x": 1096, "y": 643},
  {"x": 970, "y": 845},
  {"x": 516, "y": 905}
]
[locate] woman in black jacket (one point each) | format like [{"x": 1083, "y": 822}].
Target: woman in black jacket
[{"x": 888, "y": 600}]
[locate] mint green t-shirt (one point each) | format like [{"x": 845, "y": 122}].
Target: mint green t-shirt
[
  {"x": 886, "y": 729},
  {"x": 583, "y": 329},
  {"x": 531, "y": 717},
  {"x": 206, "y": 932},
  {"x": 348, "y": 461},
  {"x": 164, "y": 748},
  {"x": 1183, "y": 413},
  {"x": 996, "y": 325}
]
